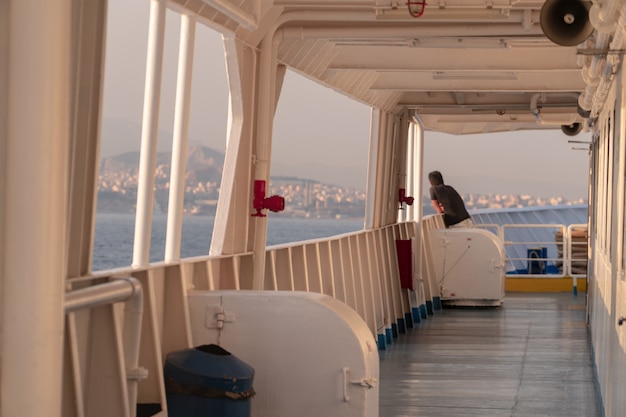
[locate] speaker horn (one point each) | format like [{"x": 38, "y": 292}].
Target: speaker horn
[
  {"x": 566, "y": 22},
  {"x": 572, "y": 129}
]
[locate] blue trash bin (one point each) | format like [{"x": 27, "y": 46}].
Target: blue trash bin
[{"x": 207, "y": 381}]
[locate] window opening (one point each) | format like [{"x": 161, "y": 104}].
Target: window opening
[{"x": 322, "y": 175}]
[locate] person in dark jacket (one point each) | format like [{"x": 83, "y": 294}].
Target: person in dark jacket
[{"x": 447, "y": 201}]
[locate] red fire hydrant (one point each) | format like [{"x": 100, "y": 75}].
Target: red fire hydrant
[
  {"x": 274, "y": 203},
  {"x": 403, "y": 198}
]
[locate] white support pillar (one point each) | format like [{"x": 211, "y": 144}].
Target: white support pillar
[
  {"x": 381, "y": 201},
  {"x": 387, "y": 175},
  {"x": 372, "y": 169},
  {"x": 410, "y": 170},
  {"x": 265, "y": 110},
  {"x": 181, "y": 136},
  {"x": 36, "y": 66},
  {"x": 89, "y": 25},
  {"x": 620, "y": 136},
  {"x": 149, "y": 134},
  {"x": 402, "y": 149},
  {"x": 232, "y": 222},
  {"x": 4, "y": 97},
  {"x": 418, "y": 153}
]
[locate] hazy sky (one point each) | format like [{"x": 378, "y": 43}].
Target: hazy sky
[{"x": 319, "y": 133}]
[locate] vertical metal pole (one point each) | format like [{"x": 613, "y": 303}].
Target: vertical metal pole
[
  {"x": 372, "y": 169},
  {"x": 387, "y": 178},
  {"x": 265, "y": 111},
  {"x": 181, "y": 136},
  {"x": 149, "y": 134},
  {"x": 418, "y": 134},
  {"x": 621, "y": 184},
  {"x": 410, "y": 170},
  {"x": 403, "y": 165},
  {"x": 35, "y": 188},
  {"x": 4, "y": 117}
]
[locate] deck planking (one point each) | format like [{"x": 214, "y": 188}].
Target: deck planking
[{"x": 531, "y": 357}]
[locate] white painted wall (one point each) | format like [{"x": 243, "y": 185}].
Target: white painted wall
[{"x": 299, "y": 345}]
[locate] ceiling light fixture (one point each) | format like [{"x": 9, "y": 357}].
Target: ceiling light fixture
[
  {"x": 477, "y": 75},
  {"x": 416, "y": 7},
  {"x": 459, "y": 43},
  {"x": 502, "y": 13}
]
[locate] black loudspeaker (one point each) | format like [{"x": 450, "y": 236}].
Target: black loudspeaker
[
  {"x": 582, "y": 112},
  {"x": 572, "y": 130},
  {"x": 566, "y": 22}
]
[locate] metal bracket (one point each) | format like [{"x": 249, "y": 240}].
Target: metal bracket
[
  {"x": 216, "y": 316},
  {"x": 368, "y": 383},
  {"x": 137, "y": 374},
  {"x": 495, "y": 265},
  {"x": 605, "y": 51}
]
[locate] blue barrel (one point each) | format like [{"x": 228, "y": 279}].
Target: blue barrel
[{"x": 207, "y": 381}]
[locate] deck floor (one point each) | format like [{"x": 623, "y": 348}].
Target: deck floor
[{"x": 529, "y": 358}]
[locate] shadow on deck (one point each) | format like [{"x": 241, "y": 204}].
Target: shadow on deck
[{"x": 529, "y": 358}]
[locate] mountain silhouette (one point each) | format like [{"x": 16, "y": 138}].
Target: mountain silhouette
[{"x": 203, "y": 164}]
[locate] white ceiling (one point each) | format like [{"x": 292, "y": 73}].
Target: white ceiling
[{"x": 464, "y": 66}]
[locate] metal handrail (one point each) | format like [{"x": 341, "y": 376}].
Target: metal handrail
[
  {"x": 565, "y": 263},
  {"x": 127, "y": 289}
]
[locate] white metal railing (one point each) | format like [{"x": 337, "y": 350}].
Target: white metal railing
[
  {"x": 577, "y": 250},
  {"x": 129, "y": 290},
  {"x": 543, "y": 250},
  {"x": 360, "y": 269},
  {"x": 532, "y": 249}
]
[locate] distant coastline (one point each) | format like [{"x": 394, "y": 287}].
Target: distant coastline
[{"x": 304, "y": 197}]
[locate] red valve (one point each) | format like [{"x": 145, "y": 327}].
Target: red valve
[
  {"x": 274, "y": 203},
  {"x": 402, "y": 198}
]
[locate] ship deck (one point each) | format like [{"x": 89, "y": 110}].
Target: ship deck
[{"x": 531, "y": 357}]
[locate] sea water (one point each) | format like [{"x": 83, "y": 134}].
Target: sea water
[{"x": 113, "y": 242}]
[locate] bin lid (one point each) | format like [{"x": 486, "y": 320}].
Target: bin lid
[{"x": 207, "y": 368}]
